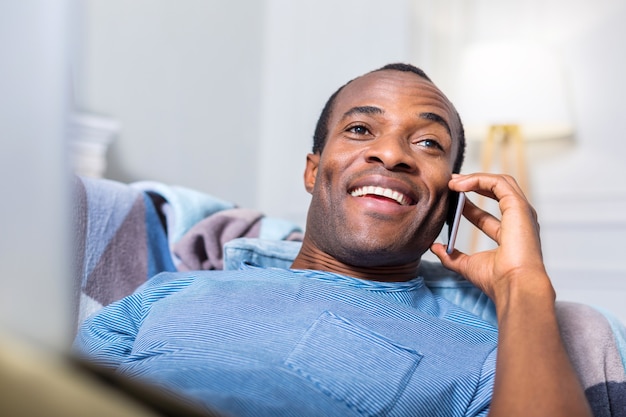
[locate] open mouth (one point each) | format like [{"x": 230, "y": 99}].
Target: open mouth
[{"x": 381, "y": 192}]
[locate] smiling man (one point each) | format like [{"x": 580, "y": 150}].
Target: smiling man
[
  {"x": 350, "y": 328},
  {"x": 379, "y": 178}
]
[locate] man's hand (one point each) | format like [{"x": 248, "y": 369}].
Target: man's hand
[
  {"x": 518, "y": 254},
  {"x": 534, "y": 376}
]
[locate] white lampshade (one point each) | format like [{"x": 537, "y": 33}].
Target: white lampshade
[{"x": 506, "y": 83}]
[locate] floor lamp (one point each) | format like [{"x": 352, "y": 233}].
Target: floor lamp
[{"x": 510, "y": 94}]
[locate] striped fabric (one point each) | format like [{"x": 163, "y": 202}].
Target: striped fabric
[{"x": 279, "y": 342}]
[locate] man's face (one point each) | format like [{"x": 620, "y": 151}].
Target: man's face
[{"x": 379, "y": 188}]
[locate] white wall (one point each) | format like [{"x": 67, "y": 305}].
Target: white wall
[
  {"x": 585, "y": 198},
  {"x": 183, "y": 78}
]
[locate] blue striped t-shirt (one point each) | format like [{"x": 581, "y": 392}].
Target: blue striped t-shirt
[{"x": 280, "y": 342}]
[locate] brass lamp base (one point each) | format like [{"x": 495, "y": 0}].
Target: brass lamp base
[{"x": 507, "y": 142}]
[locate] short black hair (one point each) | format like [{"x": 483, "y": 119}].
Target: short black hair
[{"x": 321, "y": 128}]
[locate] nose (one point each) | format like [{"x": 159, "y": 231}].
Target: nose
[{"x": 393, "y": 152}]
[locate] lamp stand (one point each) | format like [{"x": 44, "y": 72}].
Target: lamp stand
[{"x": 508, "y": 142}]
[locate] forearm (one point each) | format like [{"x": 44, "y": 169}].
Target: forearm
[{"x": 534, "y": 376}]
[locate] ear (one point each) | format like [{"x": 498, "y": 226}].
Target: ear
[{"x": 310, "y": 172}]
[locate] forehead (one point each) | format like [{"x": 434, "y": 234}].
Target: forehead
[{"x": 393, "y": 90}]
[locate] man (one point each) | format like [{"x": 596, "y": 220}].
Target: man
[{"x": 350, "y": 329}]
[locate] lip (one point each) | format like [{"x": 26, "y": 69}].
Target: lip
[{"x": 379, "y": 186}]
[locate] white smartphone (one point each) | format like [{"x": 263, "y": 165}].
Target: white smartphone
[{"x": 454, "y": 228}]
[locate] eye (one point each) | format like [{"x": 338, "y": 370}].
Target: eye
[
  {"x": 430, "y": 143},
  {"x": 358, "y": 130}
]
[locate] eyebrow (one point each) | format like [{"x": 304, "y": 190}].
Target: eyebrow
[
  {"x": 437, "y": 119},
  {"x": 377, "y": 110},
  {"x": 363, "y": 110}
]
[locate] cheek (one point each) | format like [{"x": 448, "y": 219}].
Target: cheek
[
  {"x": 326, "y": 188},
  {"x": 437, "y": 176},
  {"x": 333, "y": 167},
  {"x": 439, "y": 193}
]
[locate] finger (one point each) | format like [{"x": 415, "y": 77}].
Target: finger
[
  {"x": 495, "y": 186},
  {"x": 483, "y": 220},
  {"x": 439, "y": 249},
  {"x": 512, "y": 182},
  {"x": 454, "y": 261},
  {"x": 502, "y": 188}
]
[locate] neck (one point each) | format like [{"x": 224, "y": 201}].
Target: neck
[{"x": 311, "y": 257}]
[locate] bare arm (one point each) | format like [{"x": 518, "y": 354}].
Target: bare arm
[{"x": 534, "y": 376}]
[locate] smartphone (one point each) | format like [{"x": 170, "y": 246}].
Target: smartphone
[{"x": 455, "y": 219}]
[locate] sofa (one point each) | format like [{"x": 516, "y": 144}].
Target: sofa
[{"x": 127, "y": 233}]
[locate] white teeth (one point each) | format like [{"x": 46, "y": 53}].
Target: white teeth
[{"x": 383, "y": 192}]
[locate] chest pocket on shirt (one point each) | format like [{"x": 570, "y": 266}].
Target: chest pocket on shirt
[{"x": 353, "y": 365}]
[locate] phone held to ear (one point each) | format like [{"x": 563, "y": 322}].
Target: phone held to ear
[{"x": 454, "y": 228}]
